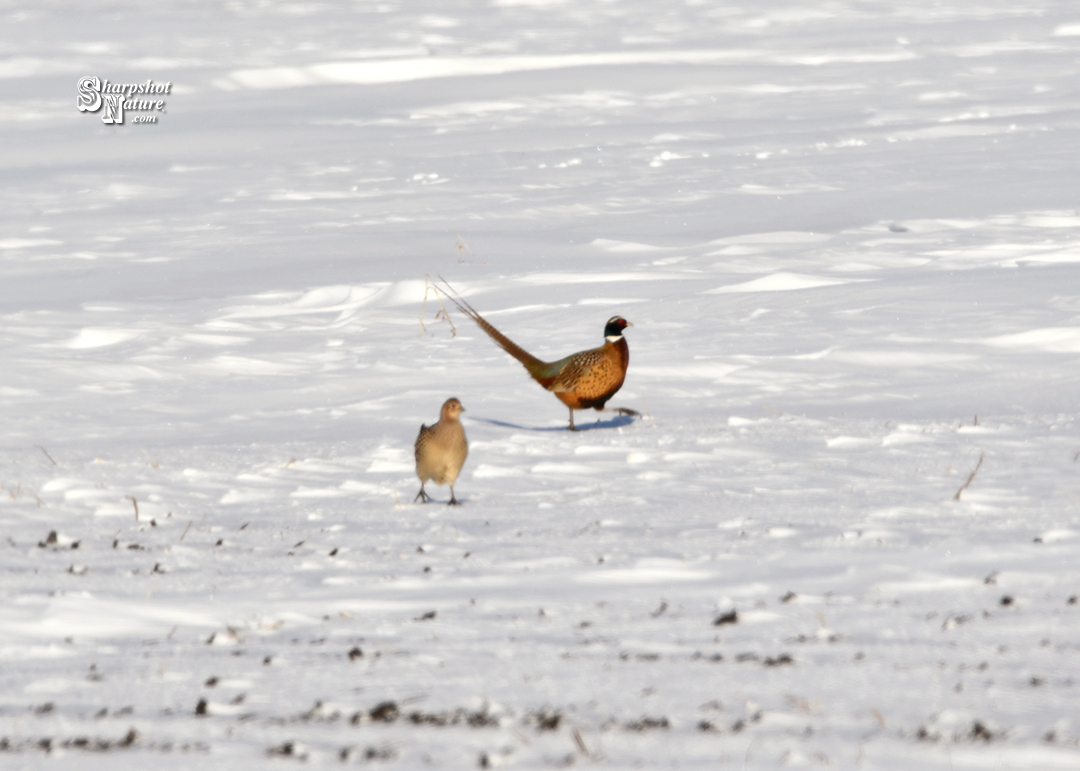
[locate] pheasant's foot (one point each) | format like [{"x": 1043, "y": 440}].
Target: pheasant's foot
[{"x": 422, "y": 496}]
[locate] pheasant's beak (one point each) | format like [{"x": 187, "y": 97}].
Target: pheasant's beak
[{"x": 628, "y": 324}]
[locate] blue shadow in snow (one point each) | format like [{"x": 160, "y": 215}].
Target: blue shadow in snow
[{"x": 616, "y": 422}]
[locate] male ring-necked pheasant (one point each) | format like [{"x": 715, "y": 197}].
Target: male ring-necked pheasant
[{"x": 583, "y": 380}]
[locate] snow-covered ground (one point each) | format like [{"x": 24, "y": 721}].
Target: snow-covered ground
[{"x": 847, "y": 236}]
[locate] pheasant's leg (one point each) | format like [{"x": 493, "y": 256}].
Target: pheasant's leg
[
  {"x": 422, "y": 495},
  {"x": 572, "y": 428},
  {"x": 453, "y": 501}
]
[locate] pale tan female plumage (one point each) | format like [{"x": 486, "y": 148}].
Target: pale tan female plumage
[{"x": 441, "y": 450}]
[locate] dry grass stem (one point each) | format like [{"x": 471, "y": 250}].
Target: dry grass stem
[
  {"x": 462, "y": 248},
  {"x": 442, "y": 314},
  {"x": 582, "y": 748},
  {"x": 645, "y": 411},
  {"x": 970, "y": 478}
]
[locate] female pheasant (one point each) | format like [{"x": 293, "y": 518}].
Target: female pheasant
[
  {"x": 580, "y": 381},
  {"x": 441, "y": 450}
]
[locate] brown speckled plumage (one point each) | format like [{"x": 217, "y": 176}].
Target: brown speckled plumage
[
  {"x": 441, "y": 450},
  {"x": 581, "y": 381},
  {"x": 589, "y": 378}
]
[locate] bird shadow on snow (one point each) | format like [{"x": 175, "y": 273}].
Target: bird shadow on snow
[{"x": 616, "y": 422}]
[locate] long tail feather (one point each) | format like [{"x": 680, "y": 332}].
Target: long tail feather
[{"x": 534, "y": 365}]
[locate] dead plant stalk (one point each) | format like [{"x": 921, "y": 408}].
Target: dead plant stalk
[{"x": 970, "y": 478}]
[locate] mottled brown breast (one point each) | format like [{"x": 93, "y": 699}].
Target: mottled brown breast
[
  {"x": 590, "y": 378},
  {"x": 441, "y": 451}
]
